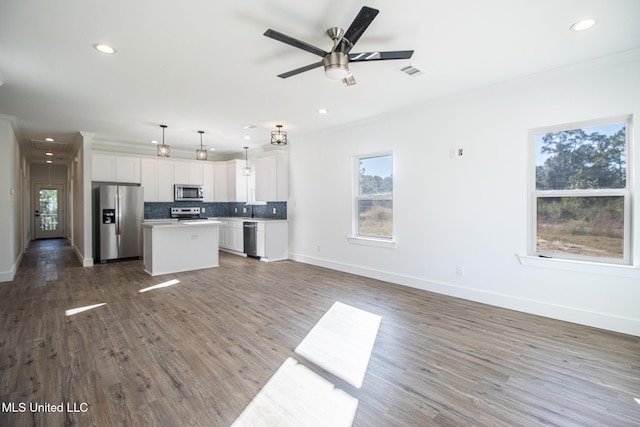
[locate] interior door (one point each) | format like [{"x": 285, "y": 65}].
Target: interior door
[{"x": 49, "y": 215}]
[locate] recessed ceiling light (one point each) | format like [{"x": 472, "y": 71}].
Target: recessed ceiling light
[
  {"x": 49, "y": 139},
  {"x": 104, "y": 48},
  {"x": 48, "y": 153},
  {"x": 49, "y": 161},
  {"x": 249, "y": 127},
  {"x": 583, "y": 24},
  {"x": 212, "y": 149},
  {"x": 323, "y": 111},
  {"x": 154, "y": 142},
  {"x": 247, "y": 137}
]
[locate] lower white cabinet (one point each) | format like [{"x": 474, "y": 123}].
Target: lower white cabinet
[
  {"x": 272, "y": 240},
  {"x": 272, "y": 237},
  {"x": 231, "y": 236}
]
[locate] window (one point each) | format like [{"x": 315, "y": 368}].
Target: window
[
  {"x": 374, "y": 197},
  {"x": 580, "y": 194}
]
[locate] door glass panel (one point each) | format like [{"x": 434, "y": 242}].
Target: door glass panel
[{"x": 48, "y": 209}]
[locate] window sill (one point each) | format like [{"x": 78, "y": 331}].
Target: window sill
[
  {"x": 369, "y": 241},
  {"x": 580, "y": 266}
]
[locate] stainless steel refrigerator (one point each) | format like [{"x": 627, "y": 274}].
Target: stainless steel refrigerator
[{"x": 120, "y": 216}]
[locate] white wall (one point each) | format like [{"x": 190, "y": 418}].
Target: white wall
[
  {"x": 469, "y": 211},
  {"x": 80, "y": 196},
  {"x": 11, "y": 227}
]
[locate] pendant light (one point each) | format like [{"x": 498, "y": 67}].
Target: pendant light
[
  {"x": 201, "y": 154},
  {"x": 163, "y": 150},
  {"x": 246, "y": 171},
  {"x": 278, "y": 137}
]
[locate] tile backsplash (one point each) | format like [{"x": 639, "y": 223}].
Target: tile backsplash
[{"x": 272, "y": 210}]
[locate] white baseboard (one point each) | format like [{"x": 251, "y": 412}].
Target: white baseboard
[
  {"x": 86, "y": 262},
  {"x": 569, "y": 314},
  {"x": 8, "y": 276}
]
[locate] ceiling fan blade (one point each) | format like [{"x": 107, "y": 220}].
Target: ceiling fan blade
[
  {"x": 380, "y": 56},
  {"x": 300, "y": 70},
  {"x": 294, "y": 42},
  {"x": 357, "y": 28}
]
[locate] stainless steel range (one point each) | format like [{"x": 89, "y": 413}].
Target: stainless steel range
[{"x": 185, "y": 213}]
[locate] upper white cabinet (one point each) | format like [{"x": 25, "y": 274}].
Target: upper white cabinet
[
  {"x": 156, "y": 177},
  {"x": 272, "y": 177},
  {"x": 220, "y": 181},
  {"x": 149, "y": 179},
  {"x": 187, "y": 173},
  {"x": 207, "y": 182},
  {"x": 237, "y": 183},
  {"x": 165, "y": 181},
  {"x": 113, "y": 168}
]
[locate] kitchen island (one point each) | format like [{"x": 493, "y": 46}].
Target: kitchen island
[{"x": 175, "y": 246}]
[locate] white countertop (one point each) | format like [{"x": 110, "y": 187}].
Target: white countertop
[
  {"x": 243, "y": 219},
  {"x": 176, "y": 223}
]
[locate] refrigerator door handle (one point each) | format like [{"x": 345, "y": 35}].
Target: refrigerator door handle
[{"x": 118, "y": 214}]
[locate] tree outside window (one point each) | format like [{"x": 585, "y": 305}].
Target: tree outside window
[
  {"x": 581, "y": 198},
  {"x": 374, "y": 199}
]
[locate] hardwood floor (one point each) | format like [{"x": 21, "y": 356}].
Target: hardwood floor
[{"x": 197, "y": 353}]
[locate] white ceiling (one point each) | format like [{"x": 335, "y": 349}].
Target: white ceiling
[{"x": 205, "y": 65}]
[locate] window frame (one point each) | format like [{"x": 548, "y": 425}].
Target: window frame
[
  {"x": 626, "y": 193},
  {"x": 356, "y": 237}
]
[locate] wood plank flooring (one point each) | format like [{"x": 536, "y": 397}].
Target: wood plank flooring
[{"x": 198, "y": 352}]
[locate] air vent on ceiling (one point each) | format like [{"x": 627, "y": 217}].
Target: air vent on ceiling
[{"x": 411, "y": 70}]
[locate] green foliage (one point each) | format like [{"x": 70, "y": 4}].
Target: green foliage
[
  {"x": 375, "y": 185},
  {"x": 580, "y": 160}
]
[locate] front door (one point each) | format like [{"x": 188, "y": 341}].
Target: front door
[{"x": 49, "y": 211}]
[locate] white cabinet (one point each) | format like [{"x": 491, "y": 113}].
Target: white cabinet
[
  {"x": 207, "y": 182},
  {"x": 165, "y": 181},
  {"x": 149, "y": 179},
  {"x": 187, "y": 173},
  {"x": 103, "y": 167},
  {"x": 231, "y": 236},
  {"x": 113, "y": 168},
  {"x": 272, "y": 177},
  {"x": 237, "y": 183},
  {"x": 272, "y": 240},
  {"x": 220, "y": 181}
]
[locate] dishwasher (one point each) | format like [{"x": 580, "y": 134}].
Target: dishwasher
[{"x": 250, "y": 238}]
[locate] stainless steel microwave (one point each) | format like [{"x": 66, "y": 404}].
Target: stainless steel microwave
[{"x": 187, "y": 193}]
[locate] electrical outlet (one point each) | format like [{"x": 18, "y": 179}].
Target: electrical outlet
[
  {"x": 460, "y": 270},
  {"x": 318, "y": 248},
  {"x": 203, "y": 210},
  {"x": 236, "y": 210},
  {"x": 274, "y": 211},
  {"x": 244, "y": 210}
]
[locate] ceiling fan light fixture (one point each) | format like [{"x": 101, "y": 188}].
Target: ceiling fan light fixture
[
  {"x": 278, "y": 136},
  {"x": 336, "y": 65},
  {"x": 201, "y": 153},
  {"x": 163, "y": 150},
  {"x": 349, "y": 80}
]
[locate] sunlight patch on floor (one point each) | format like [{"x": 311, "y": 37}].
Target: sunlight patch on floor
[
  {"x": 160, "y": 285},
  {"x": 73, "y": 311},
  {"x": 296, "y": 396},
  {"x": 342, "y": 341}
]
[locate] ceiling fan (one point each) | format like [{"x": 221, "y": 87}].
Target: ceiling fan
[{"x": 336, "y": 61}]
